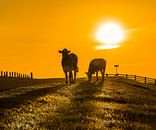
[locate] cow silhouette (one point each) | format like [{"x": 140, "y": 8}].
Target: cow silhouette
[
  {"x": 95, "y": 66},
  {"x": 69, "y": 64}
]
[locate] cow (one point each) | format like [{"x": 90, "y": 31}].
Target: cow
[
  {"x": 69, "y": 64},
  {"x": 95, "y": 66}
]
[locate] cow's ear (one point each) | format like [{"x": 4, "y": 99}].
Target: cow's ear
[
  {"x": 69, "y": 51},
  {"x": 60, "y": 51}
]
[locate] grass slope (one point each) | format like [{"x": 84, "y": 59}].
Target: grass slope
[{"x": 113, "y": 105}]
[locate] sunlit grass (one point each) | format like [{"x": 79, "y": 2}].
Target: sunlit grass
[{"x": 114, "y": 105}]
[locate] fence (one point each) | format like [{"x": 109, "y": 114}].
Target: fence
[
  {"x": 6, "y": 74},
  {"x": 140, "y": 79}
]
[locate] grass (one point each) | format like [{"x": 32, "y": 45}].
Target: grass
[
  {"x": 11, "y": 83},
  {"x": 116, "y": 104}
]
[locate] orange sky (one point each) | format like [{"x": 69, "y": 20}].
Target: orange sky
[{"x": 31, "y": 33}]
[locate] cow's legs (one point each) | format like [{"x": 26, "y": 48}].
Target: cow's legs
[
  {"x": 102, "y": 72},
  {"x": 66, "y": 77},
  {"x": 74, "y": 76},
  {"x": 97, "y": 76},
  {"x": 70, "y": 77}
]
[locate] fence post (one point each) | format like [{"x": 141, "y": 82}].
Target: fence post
[
  {"x": 6, "y": 73},
  {"x": 1, "y": 73},
  {"x": 126, "y": 76},
  {"x": 145, "y": 80},
  {"x": 134, "y": 77},
  {"x": 31, "y": 75}
]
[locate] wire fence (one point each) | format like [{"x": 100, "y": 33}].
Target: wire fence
[
  {"x": 6, "y": 74},
  {"x": 137, "y": 78}
]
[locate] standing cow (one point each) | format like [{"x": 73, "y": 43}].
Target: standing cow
[
  {"x": 95, "y": 66},
  {"x": 69, "y": 64}
]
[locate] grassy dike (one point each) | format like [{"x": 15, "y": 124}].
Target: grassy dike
[{"x": 112, "y": 105}]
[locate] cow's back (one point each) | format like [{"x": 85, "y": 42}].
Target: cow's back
[
  {"x": 74, "y": 59},
  {"x": 97, "y": 65}
]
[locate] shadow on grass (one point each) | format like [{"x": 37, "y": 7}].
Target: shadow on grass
[
  {"x": 112, "y": 100},
  {"x": 82, "y": 113},
  {"x": 133, "y": 83},
  {"x": 135, "y": 116},
  {"x": 11, "y": 83},
  {"x": 75, "y": 115},
  {"x": 15, "y": 101}
]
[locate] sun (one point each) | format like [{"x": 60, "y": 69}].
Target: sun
[{"x": 110, "y": 34}]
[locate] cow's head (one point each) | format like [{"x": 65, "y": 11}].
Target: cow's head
[
  {"x": 64, "y": 51},
  {"x": 89, "y": 75}
]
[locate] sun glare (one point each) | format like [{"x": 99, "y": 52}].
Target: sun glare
[{"x": 110, "y": 35}]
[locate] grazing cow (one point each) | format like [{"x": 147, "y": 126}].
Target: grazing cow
[
  {"x": 96, "y": 65},
  {"x": 69, "y": 64}
]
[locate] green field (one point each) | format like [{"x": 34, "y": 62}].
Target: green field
[{"x": 116, "y": 104}]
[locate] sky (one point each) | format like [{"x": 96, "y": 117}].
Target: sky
[{"x": 32, "y": 32}]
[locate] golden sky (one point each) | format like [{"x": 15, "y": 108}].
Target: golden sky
[{"x": 32, "y": 32}]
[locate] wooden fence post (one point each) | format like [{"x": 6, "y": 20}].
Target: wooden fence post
[
  {"x": 1, "y": 73},
  {"x": 6, "y": 73},
  {"x": 145, "y": 80},
  {"x": 134, "y": 77},
  {"x": 126, "y": 76},
  {"x": 31, "y": 75}
]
